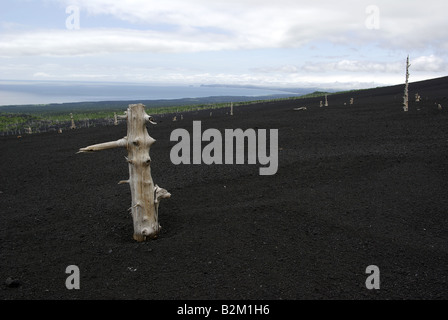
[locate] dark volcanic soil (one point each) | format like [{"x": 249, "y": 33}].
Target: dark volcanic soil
[{"x": 356, "y": 186}]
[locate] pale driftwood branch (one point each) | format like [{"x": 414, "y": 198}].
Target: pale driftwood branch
[
  {"x": 107, "y": 145},
  {"x": 160, "y": 193},
  {"x": 123, "y": 117},
  {"x": 150, "y": 119}
]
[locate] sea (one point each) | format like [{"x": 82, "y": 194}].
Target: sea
[{"x": 47, "y": 92}]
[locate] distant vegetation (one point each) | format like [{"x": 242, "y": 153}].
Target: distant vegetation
[{"x": 52, "y": 117}]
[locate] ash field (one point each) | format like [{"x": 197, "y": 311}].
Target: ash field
[{"x": 357, "y": 186}]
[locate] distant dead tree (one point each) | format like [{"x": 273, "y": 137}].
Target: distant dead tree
[
  {"x": 326, "y": 100},
  {"x": 406, "y": 88},
  {"x": 73, "y": 122},
  {"x": 352, "y": 101},
  {"x": 417, "y": 97},
  {"x": 115, "y": 119},
  {"x": 145, "y": 195},
  {"x": 231, "y": 108},
  {"x": 321, "y": 104}
]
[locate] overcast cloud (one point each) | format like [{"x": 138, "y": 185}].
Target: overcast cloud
[{"x": 282, "y": 42}]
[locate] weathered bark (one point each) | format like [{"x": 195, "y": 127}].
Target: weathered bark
[{"x": 145, "y": 196}]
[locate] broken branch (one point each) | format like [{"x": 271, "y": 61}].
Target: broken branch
[{"x": 107, "y": 145}]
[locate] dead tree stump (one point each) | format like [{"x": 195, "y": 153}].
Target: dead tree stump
[{"x": 145, "y": 195}]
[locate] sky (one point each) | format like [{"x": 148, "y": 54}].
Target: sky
[{"x": 347, "y": 44}]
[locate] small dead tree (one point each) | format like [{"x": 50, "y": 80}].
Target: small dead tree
[
  {"x": 406, "y": 88},
  {"x": 417, "y": 97},
  {"x": 73, "y": 122},
  {"x": 231, "y": 108},
  {"x": 145, "y": 195},
  {"x": 352, "y": 101},
  {"x": 326, "y": 100},
  {"x": 115, "y": 119},
  {"x": 321, "y": 104}
]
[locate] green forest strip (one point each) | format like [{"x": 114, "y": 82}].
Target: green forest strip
[{"x": 16, "y": 119}]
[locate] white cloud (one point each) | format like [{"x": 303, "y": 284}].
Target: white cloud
[
  {"x": 285, "y": 23},
  {"x": 429, "y": 63},
  {"x": 229, "y": 32},
  {"x": 199, "y": 25},
  {"x": 41, "y": 75},
  {"x": 353, "y": 66},
  {"x": 100, "y": 41}
]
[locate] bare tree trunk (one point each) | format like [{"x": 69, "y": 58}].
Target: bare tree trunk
[
  {"x": 231, "y": 108},
  {"x": 145, "y": 195},
  {"x": 406, "y": 88},
  {"x": 326, "y": 100}
]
